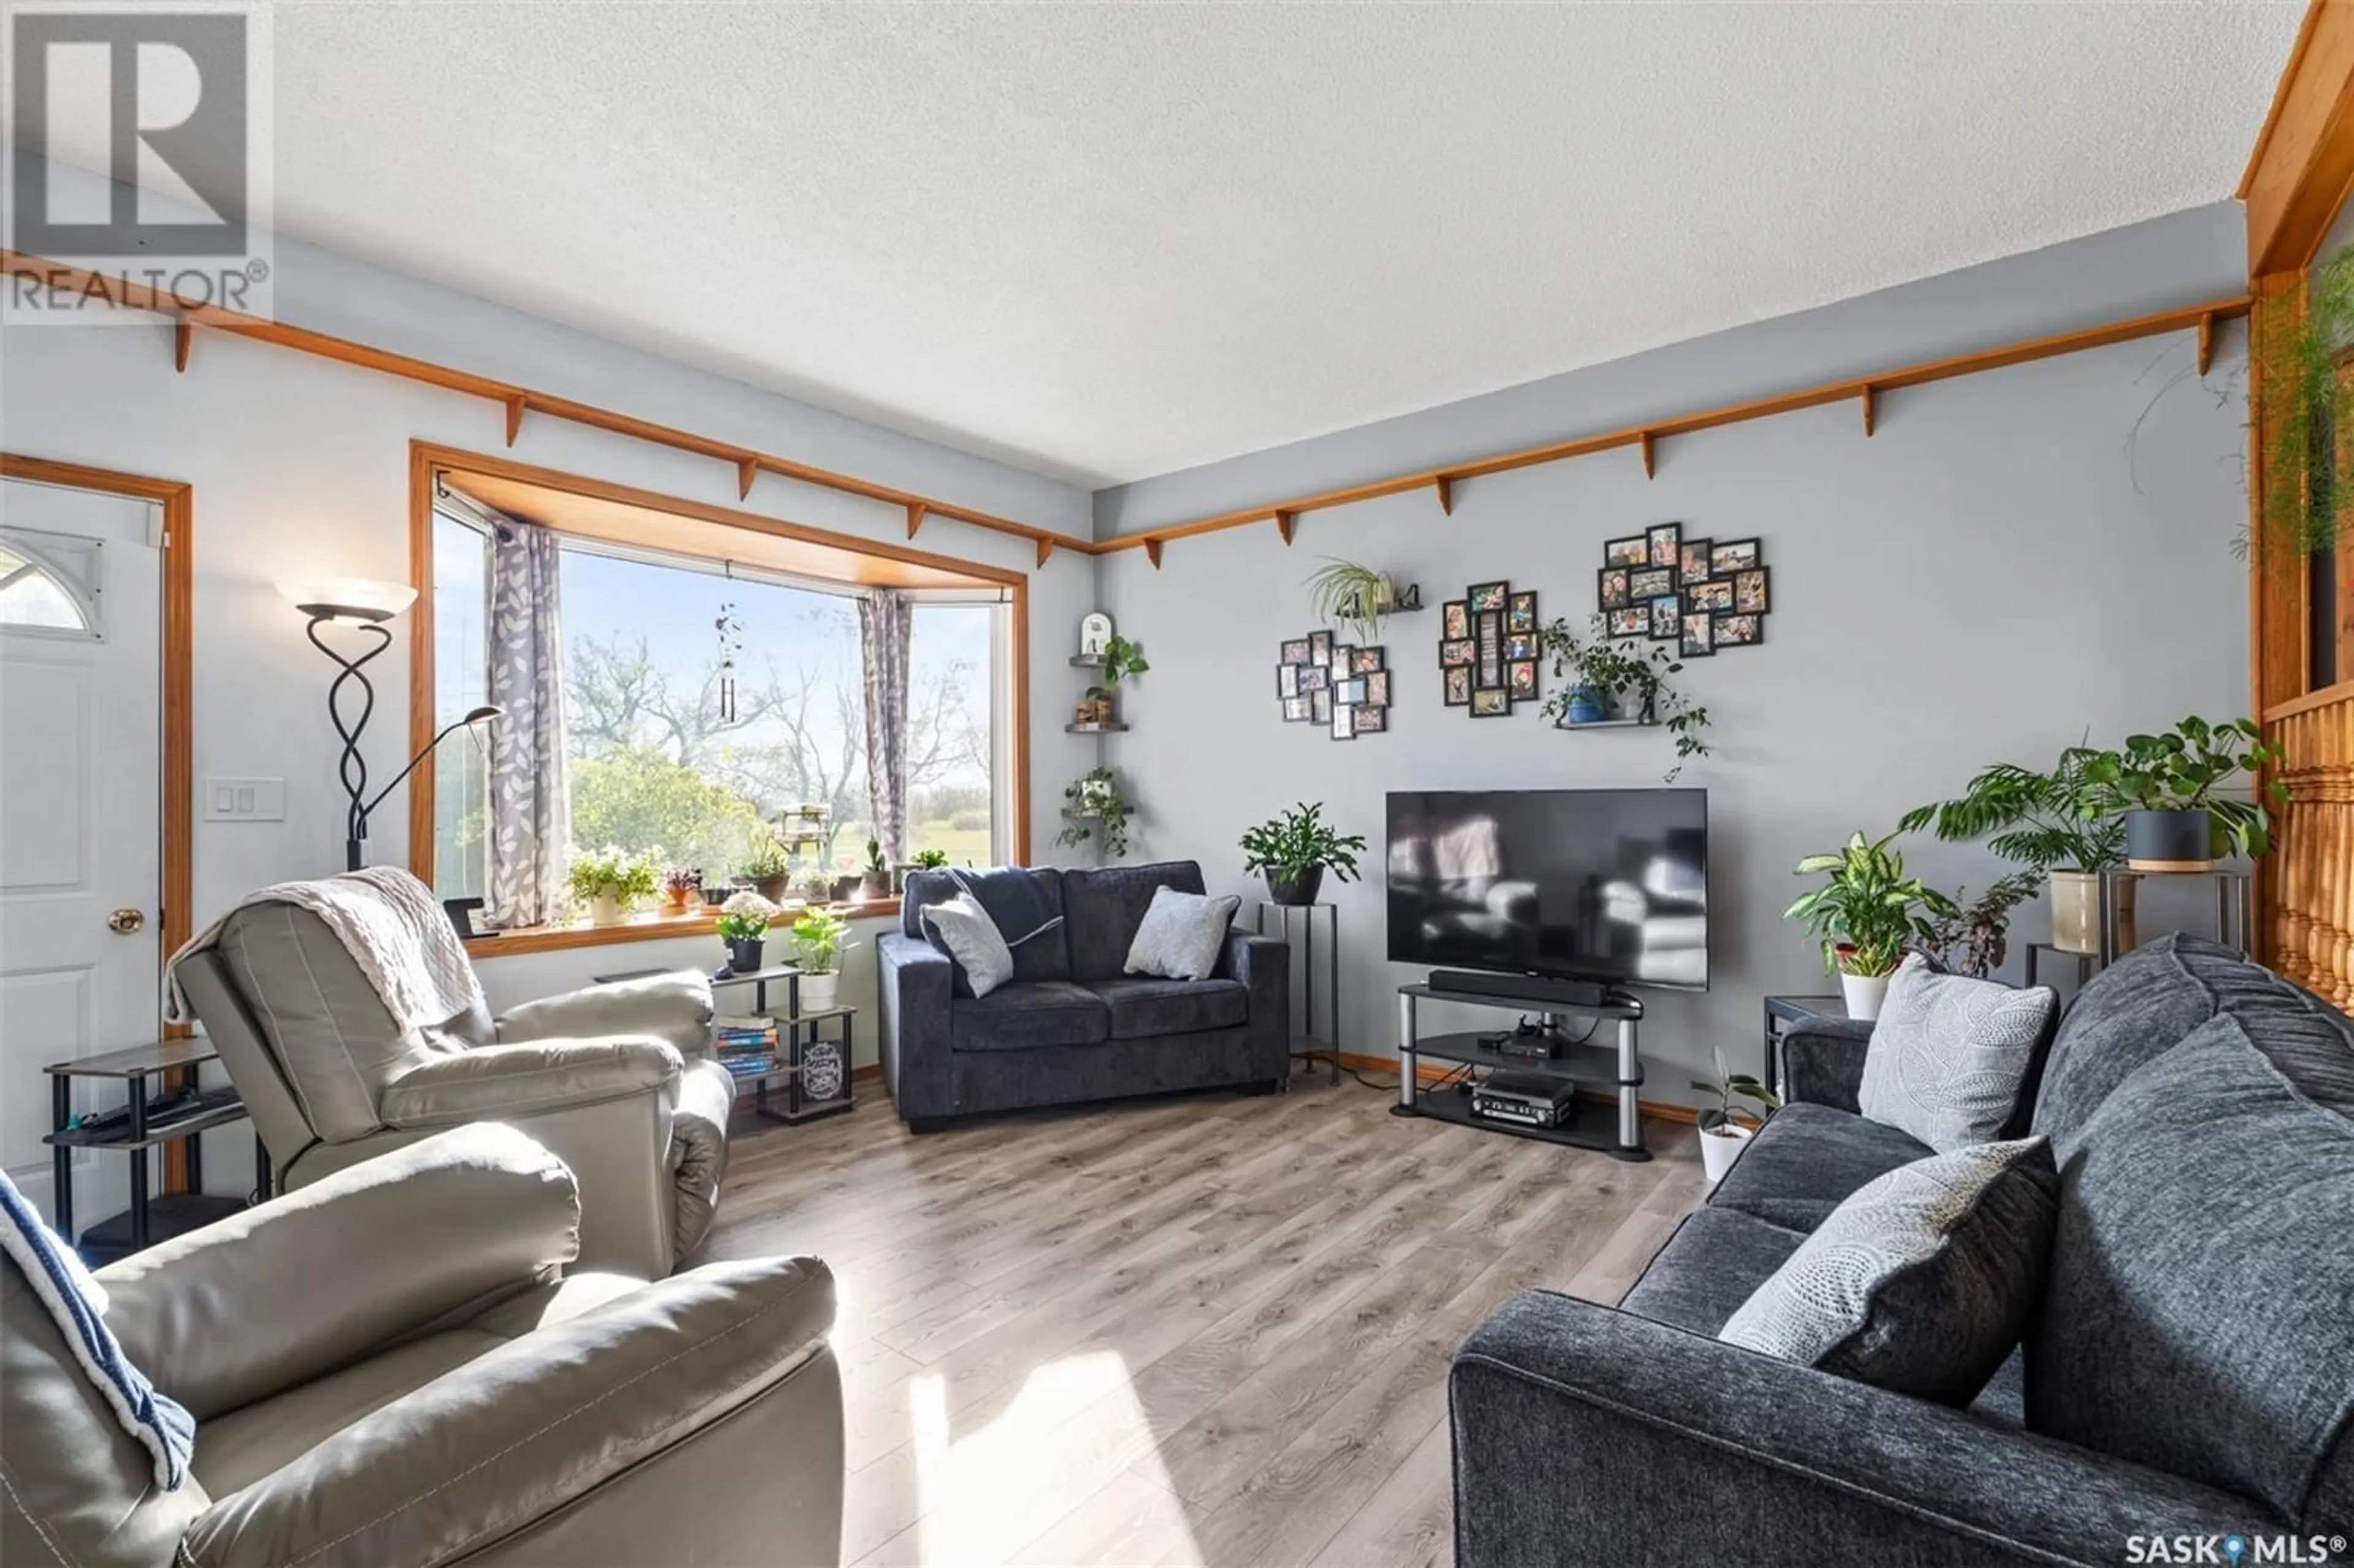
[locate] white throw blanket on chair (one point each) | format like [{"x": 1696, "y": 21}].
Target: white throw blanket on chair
[{"x": 393, "y": 928}]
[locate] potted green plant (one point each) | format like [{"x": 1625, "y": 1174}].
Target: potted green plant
[
  {"x": 818, "y": 937},
  {"x": 768, "y": 867},
  {"x": 1864, "y": 913},
  {"x": 1354, "y": 598},
  {"x": 1093, "y": 805},
  {"x": 2036, "y": 819},
  {"x": 1722, "y": 1138},
  {"x": 2168, "y": 788},
  {"x": 743, "y": 922},
  {"x": 1295, "y": 848},
  {"x": 1599, "y": 674},
  {"x": 1976, "y": 939},
  {"x": 682, "y": 886},
  {"x": 875, "y": 882},
  {"x": 611, "y": 883}
]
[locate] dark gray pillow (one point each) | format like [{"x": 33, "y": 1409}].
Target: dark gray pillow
[
  {"x": 1949, "y": 1053},
  {"x": 1922, "y": 1281}
]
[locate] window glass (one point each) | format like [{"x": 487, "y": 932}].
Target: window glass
[
  {"x": 951, "y": 756},
  {"x": 30, "y": 594},
  {"x": 688, "y": 742},
  {"x": 462, "y": 683}
]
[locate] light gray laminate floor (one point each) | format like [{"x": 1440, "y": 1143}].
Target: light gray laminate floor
[{"x": 1211, "y": 1331}]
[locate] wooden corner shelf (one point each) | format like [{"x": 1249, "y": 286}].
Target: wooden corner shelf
[{"x": 1094, "y": 728}]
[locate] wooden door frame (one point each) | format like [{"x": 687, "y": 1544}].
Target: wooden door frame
[{"x": 177, "y": 800}]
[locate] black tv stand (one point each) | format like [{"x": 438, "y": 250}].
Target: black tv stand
[
  {"x": 1614, "y": 1070},
  {"x": 1548, "y": 992}
]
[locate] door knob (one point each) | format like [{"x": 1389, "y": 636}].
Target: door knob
[{"x": 125, "y": 922}]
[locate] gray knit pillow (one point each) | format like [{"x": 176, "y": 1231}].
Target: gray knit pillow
[
  {"x": 1922, "y": 1281},
  {"x": 1949, "y": 1054},
  {"x": 1181, "y": 935},
  {"x": 972, "y": 939}
]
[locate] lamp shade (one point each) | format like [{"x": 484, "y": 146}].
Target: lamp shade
[
  {"x": 347, "y": 599},
  {"x": 484, "y": 716}
]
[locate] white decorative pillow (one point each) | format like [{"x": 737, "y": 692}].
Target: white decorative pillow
[
  {"x": 1949, "y": 1054},
  {"x": 972, "y": 939},
  {"x": 1922, "y": 1281},
  {"x": 1182, "y": 935}
]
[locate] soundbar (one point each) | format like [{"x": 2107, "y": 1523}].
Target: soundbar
[{"x": 1571, "y": 995}]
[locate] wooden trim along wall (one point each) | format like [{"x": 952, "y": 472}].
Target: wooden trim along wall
[
  {"x": 517, "y": 402},
  {"x": 178, "y": 502},
  {"x": 427, "y": 460},
  {"x": 1865, "y": 391},
  {"x": 2297, "y": 181}
]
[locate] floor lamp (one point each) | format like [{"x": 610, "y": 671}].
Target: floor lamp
[{"x": 362, "y": 606}]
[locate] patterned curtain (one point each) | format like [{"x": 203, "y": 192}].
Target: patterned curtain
[
  {"x": 884, "y": 615},
  {"x": 530, "y": 806}
]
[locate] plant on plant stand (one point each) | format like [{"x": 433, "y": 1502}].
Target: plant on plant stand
[
  {"x": 1092, "y": 805},
  {"x": 1865, "y": 914},
  {"x": 743, "y": 922},
  {"x": 2167, "y": 787},
  {"x": 1353, "y": 597},
  {"x": 2034, "y": 819},
  {"x": 1722, "y": 1138},
  {"x": 820, "y": 936},
  {"x": 770, "y": 868},
  {"x": 1631, "y": 673},
  {"x": 1294, "y": 849},
  {"x": 611, "y": 883}
]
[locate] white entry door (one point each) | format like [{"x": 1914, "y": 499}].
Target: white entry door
[{"x": 80, "y": 819}]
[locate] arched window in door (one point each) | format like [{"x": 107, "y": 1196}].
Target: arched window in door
[{"x": 48, "y": 588}]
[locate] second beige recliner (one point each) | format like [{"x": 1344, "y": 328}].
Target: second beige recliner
[{"x": 616, "y": 1080}]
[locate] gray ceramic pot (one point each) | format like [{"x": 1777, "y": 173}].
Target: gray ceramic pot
[{"x": 2170, "y": 841}]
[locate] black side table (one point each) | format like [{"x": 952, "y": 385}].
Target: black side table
[
  {"x": 138, "y": 1130},
  {"x": 1308, "y": 1045},
  {"x": 1784, "y": 1014}
]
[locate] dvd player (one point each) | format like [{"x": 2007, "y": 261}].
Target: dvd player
[{"x": 1527, "y": 1099}]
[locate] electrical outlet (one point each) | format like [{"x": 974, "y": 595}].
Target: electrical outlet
[{"x": 245, "y": 799}]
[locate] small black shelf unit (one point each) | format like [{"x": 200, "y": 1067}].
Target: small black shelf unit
[{"x": 1615, "y": 1069}]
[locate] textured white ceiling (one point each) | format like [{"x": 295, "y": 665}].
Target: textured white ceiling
[{"x": 1107, "y": 242}]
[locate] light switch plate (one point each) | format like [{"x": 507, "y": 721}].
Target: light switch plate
[{"x": 245, "y": 799}]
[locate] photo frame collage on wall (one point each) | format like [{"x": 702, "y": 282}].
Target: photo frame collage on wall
[
  {"x": 1488, "y": 649},
  {"x": 1343, "y": 687},
  {"x": 1702, "y": 595}
]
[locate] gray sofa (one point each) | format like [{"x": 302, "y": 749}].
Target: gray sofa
[
  {"x": 1071, "y": 1026},
  {"x": 2189, "y": 1372},
  {"x": 398, "y": 1365}
]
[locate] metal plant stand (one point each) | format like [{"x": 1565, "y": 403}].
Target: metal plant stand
[{"x": 1308, "y": 1045}]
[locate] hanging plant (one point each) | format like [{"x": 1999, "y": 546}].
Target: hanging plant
[
  {"x": 1354, "y": 598},
  {"x": 2303, "y": 510},
  {"x": 1630, "y": 672},
  {"x": 1121, "y": 659},
  {"x": 1093, "y": 803}
]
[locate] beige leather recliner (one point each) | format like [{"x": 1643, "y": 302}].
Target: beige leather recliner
[
  {"x": 387, "y": 1369},
  {"x": 617, "y": 1080}
]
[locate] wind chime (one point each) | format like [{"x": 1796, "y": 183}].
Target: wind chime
[{"x": 731, "y": 643}]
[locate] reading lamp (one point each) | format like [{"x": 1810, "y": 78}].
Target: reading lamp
[{"x": 361, "y": 605}]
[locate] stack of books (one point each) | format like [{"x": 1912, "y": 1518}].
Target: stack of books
[{"x": 747, "y": 1046}]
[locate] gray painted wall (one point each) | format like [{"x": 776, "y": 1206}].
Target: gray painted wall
[{"x": 1995, "y": 572}]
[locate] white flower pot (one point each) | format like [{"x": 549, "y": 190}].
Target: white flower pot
[
  {"x": 607, "y": 909},
  {"x": 1864, "y": 993},
  {"x": 1721, "y": 1147},
  {"x": 2076, "y": 911},
  {"x": 820, "y": 992}
]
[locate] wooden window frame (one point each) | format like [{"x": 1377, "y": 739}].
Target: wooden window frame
[{"x": 427, "y": 460}]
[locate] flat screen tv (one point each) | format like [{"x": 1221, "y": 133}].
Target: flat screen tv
[{"x": 1603, "y": 885}]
